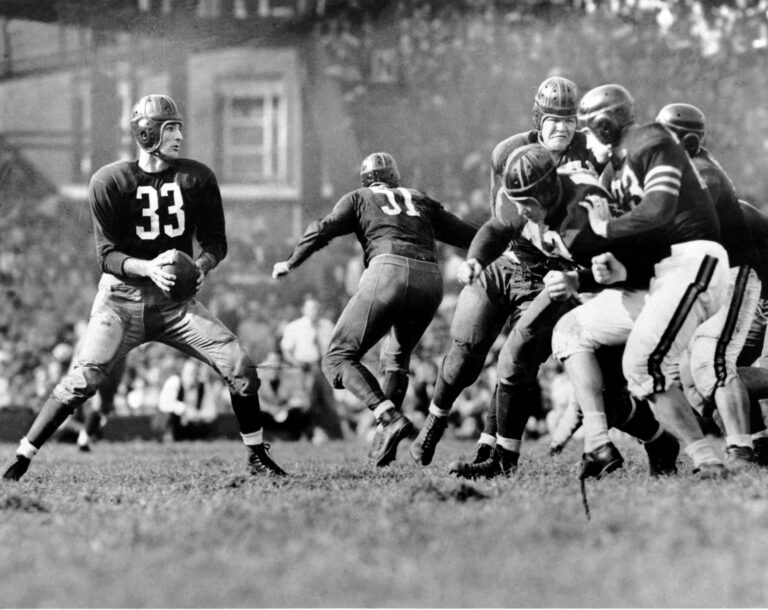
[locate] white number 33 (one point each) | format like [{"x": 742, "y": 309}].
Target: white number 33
[{"x": 151, "y": 198}]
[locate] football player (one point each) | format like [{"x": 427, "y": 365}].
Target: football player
[
  {"x": 717, "y": 343},
  {"x": 399, "y": 291},
  {"x": 142, "y": 211},
  {"x": 671, "y": 218},
  {"x": 543, "y": 206},
  {"x": 505, "y": 285}
]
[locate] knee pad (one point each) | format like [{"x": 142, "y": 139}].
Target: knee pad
[
  {"x": 245, "y": 380},
  {"x": 462, "y": 364},
  {"x": 80, "y": 384},
  {"x": 570, "y": 337}
]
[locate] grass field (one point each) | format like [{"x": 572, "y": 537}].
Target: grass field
[{"x": 151, "y": 525}]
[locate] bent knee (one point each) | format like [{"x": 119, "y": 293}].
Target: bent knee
[{"x": 571, "y": 337}]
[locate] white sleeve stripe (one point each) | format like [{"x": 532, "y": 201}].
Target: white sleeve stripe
[
  {"x": 664, "y": 169},
  {"x": 663, "y": 189},
  {"x": 663, "y": 180}
]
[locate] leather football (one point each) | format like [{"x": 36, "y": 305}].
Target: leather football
[{"x": 183, "y": 267}]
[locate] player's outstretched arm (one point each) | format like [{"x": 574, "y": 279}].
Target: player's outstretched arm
[{"x": 280, "y": 270}]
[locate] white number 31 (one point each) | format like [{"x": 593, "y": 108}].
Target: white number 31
[
  {"x": 393, "y": 208},
  {"x": 151, "y": 200}
]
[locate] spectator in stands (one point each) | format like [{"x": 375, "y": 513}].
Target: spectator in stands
[
  {"x": 189, "y": 402},
  {"x": 303, "y": 343}
]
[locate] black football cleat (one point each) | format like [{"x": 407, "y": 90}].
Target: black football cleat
[
  {"x": 487, "y": 469},
  {"x": 711, "y": 472},
  {"x": 16, "y": 470},
  {"x": 260, "y": 463},
  {"x": 739, "y": 458},
  {"x": 507, "y": 460},
  {"x": 423, "y": 448},
  {"x": 482, "y": 453},
  {"x": 395, "y": 428},
  {"x": 662, "y": 455},
  {"x": 606, "y": 458}
]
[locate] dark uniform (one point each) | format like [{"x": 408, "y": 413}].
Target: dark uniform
[
  {"x": 140, "y": 214},
  {"x": 670, "y": 221},
  {"x": 566, "y": 239},
  {"x": 717, "y": 343},
  {"x": 400, "y": 289},
  {"x": 501, "y": 293}
]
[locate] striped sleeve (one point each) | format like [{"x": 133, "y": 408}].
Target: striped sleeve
[{"x": 656, "y": 181}]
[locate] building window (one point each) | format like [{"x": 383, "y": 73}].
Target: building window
[{"x": 254, "y": 134}]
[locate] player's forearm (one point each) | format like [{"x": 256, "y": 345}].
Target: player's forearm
[
  {"x": 489, "y": 242},
  {"x": 136, "y": 267},
  {"x": 207, "y": 261}
]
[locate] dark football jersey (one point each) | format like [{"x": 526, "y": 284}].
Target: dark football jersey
[
  {"x": 565, "y": 234},
  {"x": 757, "y": 224},
  {"x": 665, "y": 198},
  {"x": 576, "y": 157},
  {"x": 734, "y": 233},
  {"x": 139, "y": 214},
  {"x": 387, "y": 220}
]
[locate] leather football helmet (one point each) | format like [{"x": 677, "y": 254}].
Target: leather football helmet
[
  {"x": 379, "y": 167},
  {"x": 687, "y": 122},
  {"x": 149, "y": 117},
  {"x": 606, "y": 111},
  {"x": 530, "y": 173},
  {"x": 557, "y": 96}
]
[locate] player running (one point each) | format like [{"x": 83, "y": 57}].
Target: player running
[
  {"x": 505, "y": 285},
  {"x": 142, "y": 211},
  {"x": 399, "y": 291}
]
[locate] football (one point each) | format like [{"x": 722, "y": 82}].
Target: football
[{"x": 183, "y": 267}]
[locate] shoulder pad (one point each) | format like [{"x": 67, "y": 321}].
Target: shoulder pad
[{"x": 648, "y": 136}]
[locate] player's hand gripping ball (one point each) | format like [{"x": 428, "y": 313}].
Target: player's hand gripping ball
[{"x": 186, "y": 272}]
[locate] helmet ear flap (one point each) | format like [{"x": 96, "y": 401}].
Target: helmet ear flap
[
  {"x": 692, "y": 143},
  {"x": 605, "y": 128}
]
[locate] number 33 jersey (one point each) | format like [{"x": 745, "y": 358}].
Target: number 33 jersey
[
  {"x": 140, "y": 214},
  {"x": 387, "y": 220}
]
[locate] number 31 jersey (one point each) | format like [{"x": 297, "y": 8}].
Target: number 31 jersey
[
  {"x": 387, "y": 220},
  {"x": 140, "y": 214}
]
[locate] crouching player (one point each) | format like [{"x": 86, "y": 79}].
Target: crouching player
[
  {"x": 143, "y": 210},
  {"x": 544, "y": 208}
]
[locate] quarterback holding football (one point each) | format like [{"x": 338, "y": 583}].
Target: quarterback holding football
[{"x": 146, "y": 214}]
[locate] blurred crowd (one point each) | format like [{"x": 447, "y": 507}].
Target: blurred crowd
[{"x": 408, "y": 60}]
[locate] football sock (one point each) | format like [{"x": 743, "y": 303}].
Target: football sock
[
  {"x": 51, "y": 416},
  {"x": 702, "y": 452},
  {"x": 27, "y": 449},
  {"x": 641, "y": 422},
  {"x": 595, "y": 431},
  {"x": 738, "y": 440},
  {"x": 247, "y": 410},
  {"x": 512, "y": 411},
  {"x": 437, "y": 411},
  {"x": 510, "y": 444},
  {"x": 382, "y": 408},
  {"x": 253, "y": 438},
  {"x": 486, "y": 439},
  {"x": 761, "y": 434},
  {"x": 394, "y": 386}
]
